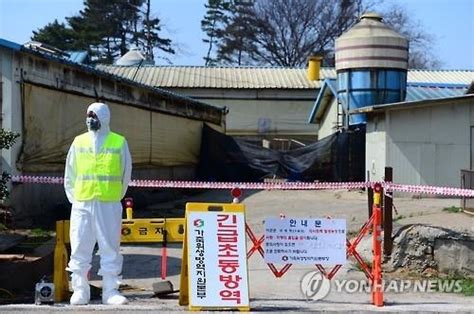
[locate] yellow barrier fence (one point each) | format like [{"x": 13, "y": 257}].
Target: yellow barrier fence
[{"x": 143, "y": 230}]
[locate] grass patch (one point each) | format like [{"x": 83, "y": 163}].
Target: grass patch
[
  {"x": 38, "y": 232},
  {"x": 452, "y": 209},
  {"x": 467, "y": 285},
  {"x": 464, "y": 285},
  {"x": 400, "y": 217},
  {"x": 3, "y": 227},
  {"x": 36, "y": 237}
]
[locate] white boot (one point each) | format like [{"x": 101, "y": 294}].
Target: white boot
[
  {"x": 110, "y": 293},
  {"x": 81, "y": 288}
]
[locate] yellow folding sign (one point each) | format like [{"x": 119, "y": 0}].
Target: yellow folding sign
[{"x": 214, "y": 273}]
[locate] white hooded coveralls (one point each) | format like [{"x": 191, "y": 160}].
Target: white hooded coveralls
[{"x": 96, "y": 221}]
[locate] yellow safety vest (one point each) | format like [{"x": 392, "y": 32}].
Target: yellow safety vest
[{"x": 98, "y": 176}]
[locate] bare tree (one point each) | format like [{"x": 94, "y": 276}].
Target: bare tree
[{"x": 287, "y": 32}]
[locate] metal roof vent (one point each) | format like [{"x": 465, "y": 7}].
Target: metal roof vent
[
  {"x": 371, "y": 15},
  {"x": 133, "y": 57}
]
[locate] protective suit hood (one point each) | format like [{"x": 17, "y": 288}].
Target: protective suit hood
[{"x": 103, "y": 113}]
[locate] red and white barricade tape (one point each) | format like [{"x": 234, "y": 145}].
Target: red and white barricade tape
[
  {"x": 427, "y": 189},
  {"x": 212, "y": 185},
  {"x": 418, "y": 189},
  {"x": 37, "y": 179}
]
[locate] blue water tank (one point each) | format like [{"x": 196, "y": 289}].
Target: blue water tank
[{"x": 371, "y": 66}]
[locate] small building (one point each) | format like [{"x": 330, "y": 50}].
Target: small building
[
  {"x": 426, "y": 139},
  {"x": 327, "y": 111},
  {"x": 427, "y": 142}
]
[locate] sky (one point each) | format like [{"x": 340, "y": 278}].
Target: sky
[{"x": 450, "y": 21}]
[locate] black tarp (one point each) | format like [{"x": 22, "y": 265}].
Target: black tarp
[{"x": 339, "y": 157}]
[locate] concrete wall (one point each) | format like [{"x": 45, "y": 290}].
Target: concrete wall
[
  {"x": 263, "y": 113},
  {"x": 424, "y": 145},
  {"x": 267, "y": 117},
  {"x": 375, "y": 149},
  {"x": 11, "y": 118},
  {"x": 328, "y": 121}
]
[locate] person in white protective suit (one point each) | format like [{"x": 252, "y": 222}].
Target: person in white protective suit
[{"x": 97, "y": 173}]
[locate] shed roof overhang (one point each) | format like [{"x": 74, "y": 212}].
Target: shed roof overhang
[
  {"x": 325, "y": 96},
  {"x": 406, "y": 105}
]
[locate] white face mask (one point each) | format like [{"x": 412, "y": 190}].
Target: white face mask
[{"x": 93, "y": 124}]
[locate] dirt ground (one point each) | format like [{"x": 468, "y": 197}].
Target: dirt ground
[
  {"x": 267, "y": 293},
  {"x": 351, "y": 205}
]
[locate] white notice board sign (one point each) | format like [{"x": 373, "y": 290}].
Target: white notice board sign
[
  {"x": 305, "y": 241},
  {"x": 217, "y": 259}
]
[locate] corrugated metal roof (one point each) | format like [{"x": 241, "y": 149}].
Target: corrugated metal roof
[
  {"x": 433, "y": 91},
  {"x": 416, "y": 92},
  {"x": 220, "y": 77},
  {"x": 257, "y": 77},
  {"x": 441, "y": 76},
  {"x": 412, "y": 104}
]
